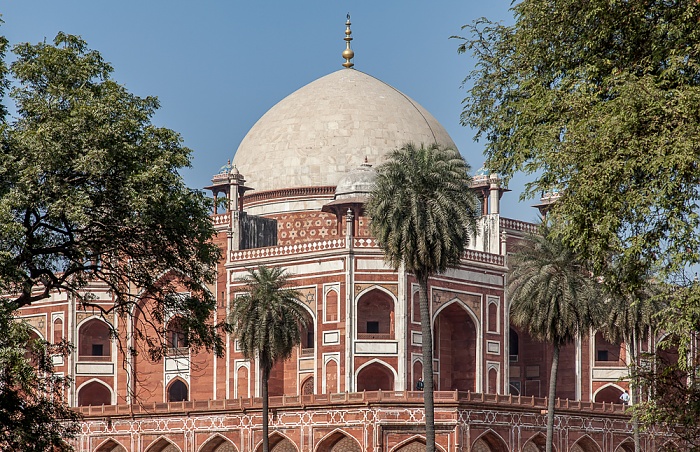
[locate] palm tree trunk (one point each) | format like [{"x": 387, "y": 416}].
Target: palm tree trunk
[
  {"x": 427, "y": 345},
  {"x": 265, "y": 407},
  {"x": 634, "y": 397},
  {"x": 552, "y": 395}
]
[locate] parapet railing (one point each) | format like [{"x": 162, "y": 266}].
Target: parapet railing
[
  {"x": 338, "y": 244},
  {"x": 517, "y": 225},
  {"x": 286, "y": 250},
  {"x": 310, "y": 401}
]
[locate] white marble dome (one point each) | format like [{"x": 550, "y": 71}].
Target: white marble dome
[{"x": 314, "y": 136}]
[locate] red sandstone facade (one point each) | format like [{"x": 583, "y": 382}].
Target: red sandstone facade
[{"x": 350, "y": 385}]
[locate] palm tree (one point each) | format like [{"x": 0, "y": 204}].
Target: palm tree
[
  {"x": 266, "y": 322},
  {"x": 553, "y": 298},
  {"x": 631, "y": 307},
  {"x": 422, "y": 213}
]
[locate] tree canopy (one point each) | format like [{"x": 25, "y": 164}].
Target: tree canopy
[
  {"x": 601, "y": 100},
  {"x": 423, "y": 214},
  {"x": 553, "y": 297},
  {"x": 90, "y": 191},
  {"x": 266, "y": 322}
]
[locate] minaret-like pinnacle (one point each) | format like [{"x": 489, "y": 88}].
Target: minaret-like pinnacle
[{"x": 348, "y": 54}]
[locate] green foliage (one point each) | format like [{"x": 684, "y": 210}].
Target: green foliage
[
  {"x": 266, "y": 322},
  {"x": 674, "y": 386},
  {"x": 603, "y": 101},
  {"x": 422, "y": 213},
  {"x": 33, "y": 415},
  {"x": 266, "y": 319},
  {"x": 90, "y": 191},
  {"x": 553, "y": 297},
  {"x": 422, "y": 208}
]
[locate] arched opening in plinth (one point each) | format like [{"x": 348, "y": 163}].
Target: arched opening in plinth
[
  {"x": 163, "y": 444},
  {"x": 455, "y": 347},
  {"x": 279, "y": 443},
  {"x": 110, "y": 445},
  {"x": 218, "y": 443},
  {"x": 537, "y": 443},
  {"x": 414, "y": 444},
  {"x": 609, "y": 394},
  {"x": 490, "y": 441},
  {"x": 375, "y": 315},
  {"x": 585, "y": 444},
  {"x": 374, "y": 376},
  {"x": 94, "y": 393},
  {"x": 625, "y": 446},
  {"x": 338, "y": 441}
]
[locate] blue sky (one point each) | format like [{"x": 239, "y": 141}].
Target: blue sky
[{"x": 217, "y": 66}]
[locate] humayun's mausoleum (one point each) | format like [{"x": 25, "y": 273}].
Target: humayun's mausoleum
[{"x": 294, "y": 196}]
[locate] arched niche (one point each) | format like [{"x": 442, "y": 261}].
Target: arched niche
[
  {"x": 177, "y": 391},
  {"x": 455, "y": 346},
  {"x": 94, "y": 392},
  {"x": 94, "y": 340},
  {"x": 375, "y": 315},
  {"x": 338, "y": 441},
  {"x": 609, "y": 393},
  {"x": 218, "y": 443},
  {"x": 489, "y": 441},
  {"x": 375, "y": 375}
]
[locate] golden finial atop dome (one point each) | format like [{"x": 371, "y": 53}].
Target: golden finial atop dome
[{"x": 348, "y": 54}]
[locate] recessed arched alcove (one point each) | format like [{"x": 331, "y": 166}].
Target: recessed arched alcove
[
  {"x": 375, "y": 315},
  {"x": 455, "y": 348},
  {"x": 94, "y": 393},
  {"x": 375, "y": 376}
]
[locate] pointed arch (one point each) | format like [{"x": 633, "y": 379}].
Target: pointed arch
[
  {"x": 627, "y": 445},
  {"x": 415, "y": 443},
  {"x": 163, "y": 444},
  {"x": 110, "y": 445},
  {"x": 307, "y": 386},
  {"x": 177, "y": 390},
  {"x": 490, "y": 441},
  {"x": 585, "y": 444},
  {"x": 279, "y": 443},
  {"x": 94, "y": 339},
  {"x": 536, "y": 443},
  {"x": 457, "y": 345},
  {"x": 95, "y": 392},
  {"x": 331, "y": 305},
  {"x": 218, "y": 443},
  {"x": 380, "y": 375},
  {"x": 609, "y": 393},
  {"x": 375, "y": 309},
  {"x": 338, "y": 439}
]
